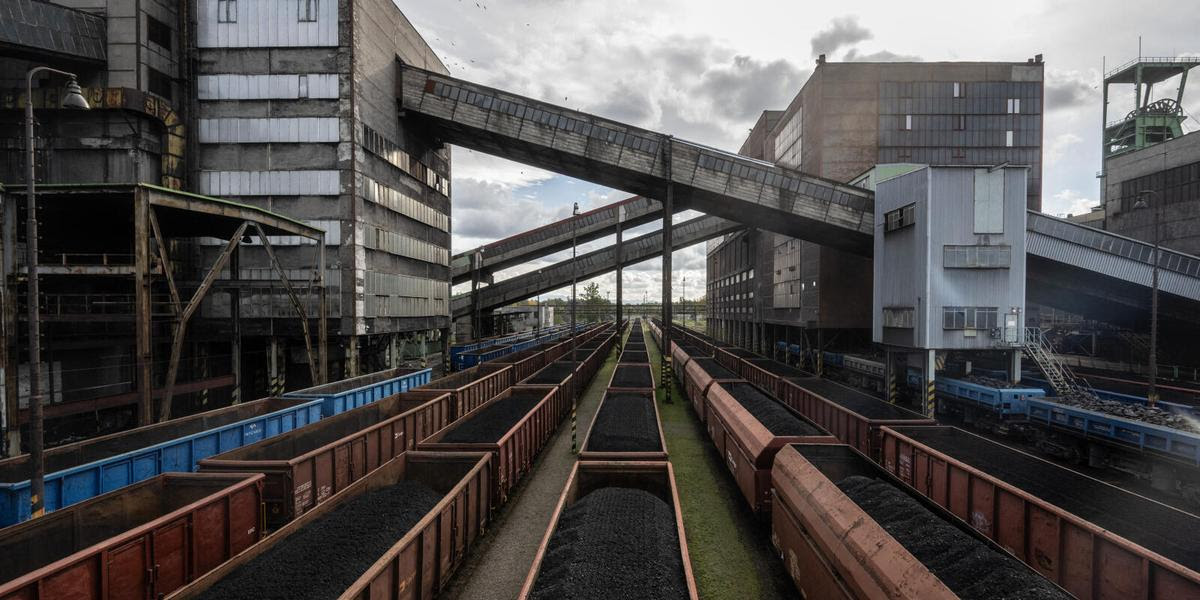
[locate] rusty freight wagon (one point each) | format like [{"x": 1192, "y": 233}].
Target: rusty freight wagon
[
  {"x": 513, "y": 427},
  {"x": 851, "y": 416},
  {"x": 474, "y": 386},
  {"x": 768, "y": 374},
  {"x": 626, "y": 427},
  {"x": 748, "y": 428},
  {"x": 400, "y": 532},
  {"x": 699, "y": 376},
  {"x": 617, "y": 531},
  {"x": 847, "y": 529},
  {"x": 307, "y": 466},
  {"x": 142, "y": 541},
  {"x": 1093, "y": 539},
  {"x": 632, "y": 378},
  {"x": 526, "y": 362}
]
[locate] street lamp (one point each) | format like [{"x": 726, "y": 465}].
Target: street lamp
[
  {"x": 574, "y": 243},
  {"x": 1143, "y": 203},
  {"x": 72, "y": 100}
]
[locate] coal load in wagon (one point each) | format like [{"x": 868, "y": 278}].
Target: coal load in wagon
[
  {"x": 326, "y": 556},
  {"x": 715, "y": 369},
  {"x": 495, "y": 419},
  {"x": 635, "y": 357},
  {"x": 613, "y": 543},
  {"x": 625, "y": 423},
  {"x": 773, "y": 415},
  {"x": 632, "y": 376},
  {"x": 969, "y": 567},
  {"x": 553, "y": 374}
]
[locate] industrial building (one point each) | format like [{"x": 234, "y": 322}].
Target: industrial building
[
  {"x": 847, "y": 118},
  {"x": 283, "y": 106}
]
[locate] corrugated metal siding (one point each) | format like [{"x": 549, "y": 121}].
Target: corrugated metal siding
[
  {"x": 270, "y": 130},
  {"x": 267, "y": 87},
  {"x": 402, "y": 245},
  {"x": 1110, "y": 265},
  {"x": 404, "y": 204},
  {"x": 270, "y": 183},
  {"x": 266, "y": 24}
]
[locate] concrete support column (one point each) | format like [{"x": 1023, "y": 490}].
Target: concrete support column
[
  {"x": 929, "y": 368},
  {"x": 1014, "y": 366},
  {"x": 619, "y": 249},
  {"x": 351, "y": 361},
  {"x": 8, "y": 304},
  {"x": 891, "y": 393}
]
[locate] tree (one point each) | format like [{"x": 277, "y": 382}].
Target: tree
[{"x": 591, "y": 295}]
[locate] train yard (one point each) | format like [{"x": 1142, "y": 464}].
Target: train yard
[{"x": 467, "y": 486}]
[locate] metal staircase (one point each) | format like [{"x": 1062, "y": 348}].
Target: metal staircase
[{"x": 1060, "y": 376}]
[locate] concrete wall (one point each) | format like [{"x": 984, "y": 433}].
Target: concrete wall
[{"x": 1178, "y": 194}]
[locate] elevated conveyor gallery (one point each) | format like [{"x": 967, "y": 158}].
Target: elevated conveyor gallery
[
  {"x": 590, "y": 265},
  {"x": 638, "y": 161},
  {"x": 1074, "y": 267}
]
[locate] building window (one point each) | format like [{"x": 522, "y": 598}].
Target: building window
[
  {"x": 308, "y": 11},
  {"x": 1008, "y": 138},
  {"x": 907, "y": 126},
  {"x": 158, "y": 83},
  {"x": 959, "y": 90},
  {"x": 227, "y": 11},
  {"x": 976, "y": 257},
  {"x": 970, "y": 317},
  {"x": 898, "y": 316},
  {"x": 900, "y": 218},
  {"x": 960, "y": 122},
  {"x": 158, "y": 32},
  {"x": 1014, "y": 106}
]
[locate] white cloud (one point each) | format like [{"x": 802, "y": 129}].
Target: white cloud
[
  {"x": 1068, "y": 202},
  {"x": 1059, "y": 146}
]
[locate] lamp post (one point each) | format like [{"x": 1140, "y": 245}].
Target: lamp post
[
  {"x": 74, "y": 100},
  {"x": 1143, "y": 203}
]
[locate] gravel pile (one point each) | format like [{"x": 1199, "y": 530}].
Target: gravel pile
[
  {"x": 494, "y": 420},
  {"x": 613, "y": 543},
  {"x": 966, "y": 565},
  {"x": 625, "y": 423},
  {"x": 635, "y": 356},
  {"x": 632, "y": 376},
  {"x": 1136, "y": 412},
  {"x": 990, "y": 382},
  {"x": 326, "y": 556},
  {"x": 715, "y": 369},
  {"x": 773, "y": 415},
  {"x": 554, "y": 373}
]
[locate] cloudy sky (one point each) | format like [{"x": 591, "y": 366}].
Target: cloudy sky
[{"x": 704, "y": 70}]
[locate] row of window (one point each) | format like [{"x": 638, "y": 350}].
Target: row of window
[
  {"x": 909, "y": 137},
  {"x": 900, "y": 218},
  {"x": 957, "y": 122},
  {"x": 902, "y": 317},
  {"x": 408, "y": 247},
  {"x": 1112, "y": 244},
  {"x": 960, "y": 89},
  {"x": 976, "y": 257},
  {"x": 306, "y": 11},
  {"x": 746, "y": 169},
  {"x": 375, "y": 143},
  {"x": 398, "y": 201},
  {"x": 970, "y": 317},
  {"x": 546, "y": 117},
  {"x": 1177, "y": 184}
]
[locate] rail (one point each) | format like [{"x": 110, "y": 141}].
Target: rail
[{"x": 1171, "y": 60}]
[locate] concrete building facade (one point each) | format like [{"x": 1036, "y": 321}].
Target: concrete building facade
[
  {"x": 286, "y": 105},
  {"x": 849, "y": 117},
  {"x": 1170, "y": 172}
]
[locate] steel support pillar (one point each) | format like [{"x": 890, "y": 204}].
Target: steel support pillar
[
  {"x": 235, "y": 318},
  {"x": 620, "y": 258},
  {"x": 891, "y": 391},
  {"x": 1014, "y": 366},
  {"x": 8, "y": 304},
  {"x": 141, "y": 305}
]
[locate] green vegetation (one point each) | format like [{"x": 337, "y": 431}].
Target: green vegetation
[{"x": 730, "y": 550}]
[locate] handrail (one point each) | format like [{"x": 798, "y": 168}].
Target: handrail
[{"x": 1155, "y": 59}]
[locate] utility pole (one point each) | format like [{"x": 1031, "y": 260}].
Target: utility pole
[
  {"x": 72, "y": 99},
  {"x": 667, "y": 247}
]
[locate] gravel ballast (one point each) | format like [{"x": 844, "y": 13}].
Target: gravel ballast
[
  {"x": 613, "y": 543},
  {"x": 326, "y": 556},
  {"x": 625, "y": 423},
  {"x": 773, "y": 415},
  {"x": 553, "y": 374},
  {"x": 715, "y": 369},
  {"x": 967, "y": 566},
  {"x": 632, "y": 376},
  {"x": 495, "y": 419}
]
